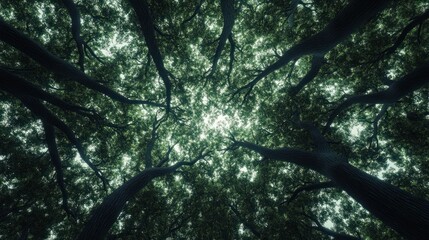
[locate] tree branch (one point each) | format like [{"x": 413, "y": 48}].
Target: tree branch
[
  {"x": 56, "y": 161},
  {"x": 229, "y": 15},
  {"x": 13, "y": 37},
  {"x": 347, "y": 21},
  {"x": 400, "y": 88},
  {"x": 103, "y": 217},
  {"x": 316, "y": 63},
  {"x": 416, "y": 21},
  {"x": 311, "y": 187},
  {"x": 329, "y": 232},
  {"x": 38, "y": 109},
  {"x": 141, "y": 8},
  {"x": 196, "y": 11}
]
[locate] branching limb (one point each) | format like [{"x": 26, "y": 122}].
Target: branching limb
[
  {"x": 144, "y": 16},
  {"x": 311, "y": 187},
  {"x": 347, "y": 21},
  {"x": 400, "y": 88},
  {"x": 153, "y": 137},
  {"x": 231, "y": 56},
  {"x": 416, "y": 21},
  {"x": 104, "y": 216},
  {"x": 229, "y": 15},
  {"x": 316, "y": 63},
  {"x": 56, "y": 161},
  {"x": 329, "y": 232},
  {"x": 19, "y": 86},
  {"x": 13, "y": 37},
  {"x": 196, "y": 11},
  {"x": 38, "y": 109},
  {"x": 374, "y": 137}
]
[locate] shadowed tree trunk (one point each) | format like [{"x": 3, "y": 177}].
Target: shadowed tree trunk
[{"x": 403, "y": 212}]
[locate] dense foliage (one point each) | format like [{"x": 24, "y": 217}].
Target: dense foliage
[{"x": 95, "y": 93}]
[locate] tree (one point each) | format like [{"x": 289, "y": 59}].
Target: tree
[{"x": 145, "y": 119}]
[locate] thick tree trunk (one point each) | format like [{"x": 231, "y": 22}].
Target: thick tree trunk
[
  {"x": 105, "y": 215},
  {"x": 403, "y": 212}
]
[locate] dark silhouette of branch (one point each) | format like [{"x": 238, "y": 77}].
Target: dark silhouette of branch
[
  {"x": 415, "y": 21},
  {"x": 38, "y": 109},
  {"x": 316, "y": 63},
  {"x": 232, "y": 48},
  {"x": 103, "y": 217},
  {"x": 347, "y": 21},
  {"x": 17, "y": 85},
  {"x": 56, "y": 162},
  {"x": 251, "y": 226},
  {"x": 196, "y": 11},
  {"x": 400, "y": 88},
  {"x": 150, "y": 145},
  {"x": 374, "y": 137},
  {"x": 329, "y": 232},
  {"x": 75, "y": 29},
  {"x": 229, "y": 15},
  {"x": 403, "y": 212},
  {"x": 311, "y": 187},
  {"x": 13, "y": 37},
  {"x": 144, "y": 16}
]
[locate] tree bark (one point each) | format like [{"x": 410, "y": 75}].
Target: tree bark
[{"x": 403, "y": 212}]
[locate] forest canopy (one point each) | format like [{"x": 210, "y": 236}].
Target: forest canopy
[{"x": 214, "y": 119}]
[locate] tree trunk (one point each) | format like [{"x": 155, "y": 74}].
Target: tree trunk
[{"x": 406, "y": 214}]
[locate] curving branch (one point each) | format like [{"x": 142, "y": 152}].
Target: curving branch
[
  {"x": 196, "y": 11},
  {"x": 103, "y": 217},
  {"x": 229, "y": 15},
  {"x": 415, "y": 21},
  {"x": 56, "y": 161},
  {"x": 141, "y": 8},
  {"x": 150, "y": 145},
  {"x": 351, "y": 18},
  {"x": 307, "y": 188},
  {"x": 403, "y": 212},
  {"x": 13, "y": 37},
  {"x": 316, "y": 64},
  {"x": 38, "y": 109},
  {"x": 400, "y": 88}
]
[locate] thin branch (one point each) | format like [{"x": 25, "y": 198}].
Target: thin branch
[
  {"x": 377, "y": 119},
  {"x": 56, "y": 161},
  {"x": 196, "y": 11},
  {"x": 311, "y": 187},
  {"x": 252, "y": 227},
  {"x": 415, "y": 21},
  {"x": 329, "y": 232}
]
